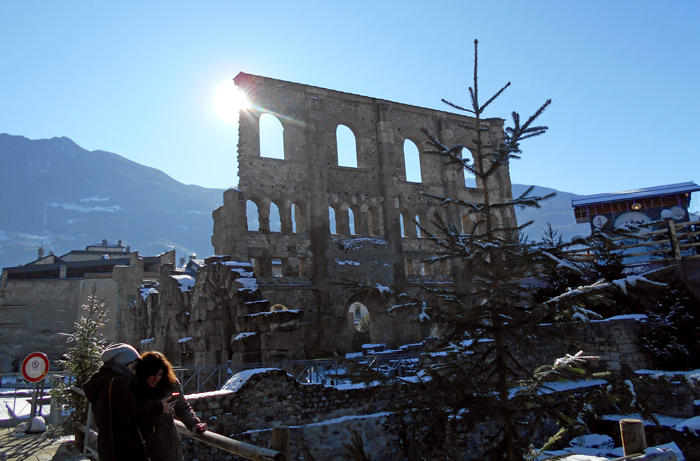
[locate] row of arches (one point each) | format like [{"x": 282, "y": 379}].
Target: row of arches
[
  {"x": 343, "y": 219},
  {"x": 272, "y": 146}
]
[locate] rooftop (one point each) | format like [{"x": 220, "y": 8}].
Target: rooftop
[{"x": 656, "y": 191}]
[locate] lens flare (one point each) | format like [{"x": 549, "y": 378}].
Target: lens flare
[{"x": 229, "y": 101}]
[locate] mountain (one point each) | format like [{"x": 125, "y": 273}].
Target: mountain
[
  {"x": 59, "y": 195},
  {"x": 557, "y": 211},
  {"x": 65, "y": 197}
]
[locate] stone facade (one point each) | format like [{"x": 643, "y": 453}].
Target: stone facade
[
  {"x": 41, "y": 301},
  {"x": 375, "y": 241}
]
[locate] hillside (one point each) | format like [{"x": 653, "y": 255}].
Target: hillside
[
  {"x": 66, "y": 197},
  {"x": 60, "y": 194}
]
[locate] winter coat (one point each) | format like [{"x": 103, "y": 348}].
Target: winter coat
[
  {"x": 118, "y": 437},
  {"x": 159, "y": 432}
]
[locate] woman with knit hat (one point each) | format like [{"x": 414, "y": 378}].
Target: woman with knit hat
[{"x": 112, "y": 393}]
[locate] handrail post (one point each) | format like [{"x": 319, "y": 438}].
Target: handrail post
[
  {"x": 674, "y": 239},
  {"x": 280, "y": 440}
]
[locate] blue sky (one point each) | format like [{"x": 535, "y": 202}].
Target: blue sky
[{"x": 139, "y": 78}]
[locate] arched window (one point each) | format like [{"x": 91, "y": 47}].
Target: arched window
[
  {"x": 419, "y": 231},
  {"x": 294, "y": 218},
  {"x": 278, "y": 307},
  {"x": 358, "y": 311},
  {"x": 403, "y": 227},
  {"x": 271, "y": 137},
  {"x": 351, "y": 221},
  {"x": 252, "y": 215},
  {"x": 469, "y": 180},
  {"x": 275, "y": 220},
  {"x": 331, "y": 219},
  {"x": 411, "y": 161},
  {"x": 347, "y": 147}
]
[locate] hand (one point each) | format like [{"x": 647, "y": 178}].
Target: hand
[
  {"x": 200, "y": 428},
  {"x": 168, "y": 405}
]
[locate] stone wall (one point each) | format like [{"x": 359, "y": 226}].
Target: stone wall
[
  {"x": 300, "y": 265},
  {"x": 322, "y": 418}
]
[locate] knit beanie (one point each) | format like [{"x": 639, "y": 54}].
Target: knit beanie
[{"x": 120, "y": 353}]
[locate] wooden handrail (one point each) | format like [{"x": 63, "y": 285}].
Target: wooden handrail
[{"x": 242, "y": 449}]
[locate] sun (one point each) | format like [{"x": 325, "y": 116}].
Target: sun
[{"x": 229, "y": 100}]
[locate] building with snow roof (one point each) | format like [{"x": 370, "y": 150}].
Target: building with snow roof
[
  {"x": 638, "y": 206},
  {"x": 41, "y": 300}
]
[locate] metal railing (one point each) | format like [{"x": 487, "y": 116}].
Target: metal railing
[{"x": 320, "y": 371}]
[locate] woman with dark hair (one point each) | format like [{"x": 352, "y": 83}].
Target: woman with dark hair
[
  {"x": 157, "y": 381},
  {"x": 112, "y": 393}
]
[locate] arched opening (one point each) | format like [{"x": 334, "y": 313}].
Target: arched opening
[
  {"x": 469, "y": 180},
  {"x": 359, "y": 321},
  {"x": 252, "y": 216},
  {"x": 271, "y": 137},
  {"x": 411, "y": 160},
  {"x": 403, "y": 227},
  {"x": 278, "y": 307},
  {"x": 351, "y": 221},
  {"x": 419, "y": 232},
  {"x": 347, "y": 147},
  {"x": 275, "y": 219},
  {"x": 331, "y": 219},
  {"x": 293, "y": 215}
]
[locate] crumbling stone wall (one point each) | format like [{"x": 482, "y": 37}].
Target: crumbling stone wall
[{"x": 308, "y": 182}]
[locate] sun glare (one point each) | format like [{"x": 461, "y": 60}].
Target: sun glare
[{"x": 229, "y": 100}]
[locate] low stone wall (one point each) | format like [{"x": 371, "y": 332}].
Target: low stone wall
[{"x": 324, "y": 419}]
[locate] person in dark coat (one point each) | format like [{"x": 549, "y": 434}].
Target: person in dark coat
[
  {"x": 157, "y": 381},
  {"x": 112, "y": 392}
]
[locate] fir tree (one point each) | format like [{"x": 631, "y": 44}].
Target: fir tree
[
  {"x": 673, "y": 329},
  {"x": 81, "y": 361}
]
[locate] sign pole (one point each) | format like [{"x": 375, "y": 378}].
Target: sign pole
[{"x": 32, "y": 413}]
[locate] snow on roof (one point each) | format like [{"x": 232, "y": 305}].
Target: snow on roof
[{"x": 655, "y": 191}]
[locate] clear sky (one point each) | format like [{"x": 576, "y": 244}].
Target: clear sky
[{"x": 139, "y": 78}]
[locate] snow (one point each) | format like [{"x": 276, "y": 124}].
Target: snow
[
  {"x": 185, "y": 340},
  {"x": 358, "y": 243},
  {"x": 186, "y": 282},
  {"x": 562, "y": 263},
  {"x": 82, "y": 209},
  {"x": 637, "y": 317},
  {"x": 250, "y": 283},
  {"x": 271, "y": 313},
  {"x": 147, "y": 340},
  {"x": 383, "y": 289},
  {"x": 244, "y": 335},
  {"x": 349, "y": 418},
  {"x": 693, "y": 424},
  {"x": 236, "y": 381},
  {"x": 146, "y": 291},
  {"x": 347, "y": 263}
]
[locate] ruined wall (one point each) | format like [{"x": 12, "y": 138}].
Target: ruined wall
[{"x": 300, "y": 265}]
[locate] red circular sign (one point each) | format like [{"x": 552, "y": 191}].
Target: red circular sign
[{"x": 35, "y": 367}]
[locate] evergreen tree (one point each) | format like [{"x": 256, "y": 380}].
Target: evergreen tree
[
  {"x": 673, "y": 329},
  {"x": 81, "y": 361}
]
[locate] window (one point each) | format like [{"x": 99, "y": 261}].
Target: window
[
  {"x": 271, "y": 137},
  {"x": 331, "y": 218},
  {"x": 252, "y": 215},
  {"x": 347, "y": 147},
  {"x": 351, "y": 221},
  {"x": 411, "y": 161},
  {"x": 277, "y": 268},
  {"x": 294, "y": 218},
  {"x": 275, "y": 220}
]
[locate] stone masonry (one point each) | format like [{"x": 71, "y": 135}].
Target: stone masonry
[{"x": 299, "y": 266}]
